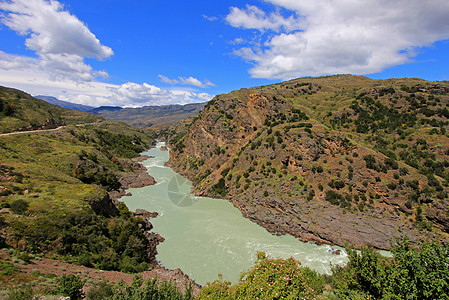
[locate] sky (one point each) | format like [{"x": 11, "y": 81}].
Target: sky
[{"x": 156, "y": 52}]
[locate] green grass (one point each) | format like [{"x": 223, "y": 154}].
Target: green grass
[{"x": 42, "y": 169}]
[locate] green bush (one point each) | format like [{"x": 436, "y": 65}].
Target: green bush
[
  {"x": 219, "y": 188},
  {"x": 150, "y": 289},
  {"x": 19, "y": 206},
  {"x": 100, "y": 291},
  {"x": 269, "y": 279},
  {"x": 8, "y": 269},
  {"x": 71, "y": 286},
  {"x": 84, "y": 238},
  {"x": 413, "y": 273},
  {"x": 21, "y": 293}
]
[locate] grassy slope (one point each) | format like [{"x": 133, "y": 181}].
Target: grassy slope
[
  {"x": 18, "y": 110},
  {"x": 64, "y": 177}
]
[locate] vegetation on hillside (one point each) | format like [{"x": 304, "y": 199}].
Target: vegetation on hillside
[
  {"x": 19, "y": 111},
  {"x": 53, "y": 189},
  {"x": 282, "y": 152},
  {"x": 412, "y": 273}
]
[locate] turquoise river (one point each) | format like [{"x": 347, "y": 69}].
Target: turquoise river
[{"x": 205, "y": 237}]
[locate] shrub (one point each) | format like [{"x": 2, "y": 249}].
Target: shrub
[
  {"x": 19, "y": 206},
  {"x": 8, "y": 269},
  {"x": 413, "y": 273},
  {"x": 151, "y": 289},
  {"x": 219, "y": 188},
  {"x": 21, "y": 293},
  {"x": 269, "y": 279},
  {"x": 100, "y": 291},
  {"x": 71, "y": 286}
]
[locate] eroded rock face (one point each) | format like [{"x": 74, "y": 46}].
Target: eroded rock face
[
  {"x": 293, "y": 174},
  {"x": 137, "y": 179},
  {"x": 104, "y": 206}
]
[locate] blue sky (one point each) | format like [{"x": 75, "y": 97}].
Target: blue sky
[{"x": 154, "y": 52}]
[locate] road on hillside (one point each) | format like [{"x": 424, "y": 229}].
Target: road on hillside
[{"x": 42, "y": 130}]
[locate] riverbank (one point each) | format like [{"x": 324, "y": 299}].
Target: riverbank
[
  {"x": 40, "y": 272},
  {"x": 138, "y": 179},
  {"x": 214, "y": 236}
]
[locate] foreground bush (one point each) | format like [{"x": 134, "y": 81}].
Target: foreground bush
[
  {"x": 420, "y": 272},
  {"x": 150, "y": 290},
  {"x": 269, "y": 279},
  {"x": 414, "y": 272}
]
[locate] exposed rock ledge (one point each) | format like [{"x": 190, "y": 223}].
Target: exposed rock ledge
[{"x": 139, "y": 178}]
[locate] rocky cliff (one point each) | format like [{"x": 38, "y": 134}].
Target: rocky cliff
[{"x": 331, "y": 159}]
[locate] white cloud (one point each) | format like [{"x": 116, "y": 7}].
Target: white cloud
[
  {"x": 237, "y": 41},
  {"x": 187, "y": 81},
  {"x": 52, "y": 30},
  {"x": 195, "y": 82},
  {"x": 212, "y": 18},
  {"x": 94, "y": 93},
  {"x": 254, "y": 18},
  {"x": 358, "y": 37},
  {"x": 60, "y": 40},
  {"x": 167, "y": 80}
]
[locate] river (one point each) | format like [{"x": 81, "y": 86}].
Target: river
[{"x": 205, "y": 237}]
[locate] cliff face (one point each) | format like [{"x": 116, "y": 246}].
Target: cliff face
[{"x": 332, "y": 159}]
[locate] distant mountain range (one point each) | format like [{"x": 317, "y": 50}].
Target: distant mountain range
[
  {"x": 65, "y": 104},
  {"x": 20, "y": 111},
  {"x": 146, "y": 116}
]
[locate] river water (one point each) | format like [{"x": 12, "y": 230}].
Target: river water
[{"x": 205, "y": 237}]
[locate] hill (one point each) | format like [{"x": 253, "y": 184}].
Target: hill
[
  {"x": 65, "y": 104},
  {"x": 21, "y": 112},
  {"x": 329, "y": 159},
  {"x": 58, "y": 188}
]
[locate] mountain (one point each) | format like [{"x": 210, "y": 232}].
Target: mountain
[
  {"x": 329, "y": 159},
  {"x": 103, "y": 109},
  {"x": 65, "y": 104},
  {"x": 149, "y": 116},
  {"x": 19, "y": 111}
]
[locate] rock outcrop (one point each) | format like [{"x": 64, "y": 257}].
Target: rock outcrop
[
  {"x": 345, "y": 172},
  {"x": 137, "y": 179}
]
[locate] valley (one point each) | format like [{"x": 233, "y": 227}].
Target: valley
[{"x": 340, "y": 160}]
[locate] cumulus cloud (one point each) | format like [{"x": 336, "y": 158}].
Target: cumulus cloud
[
  {"x": 358, "y": 37},
  {"x": 60, "y": 40},
  {"x": 253, "y": 17},
  {"x": 187, "y": 81},
  {"x": 61, "y": 43},
  {"x": 96, "y": 93},
  {"x": 195, "y": 82},
  {"x": 131, "y": 94}
]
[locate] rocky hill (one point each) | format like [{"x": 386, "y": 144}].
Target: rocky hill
[{"x": 330, "y": 159}]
